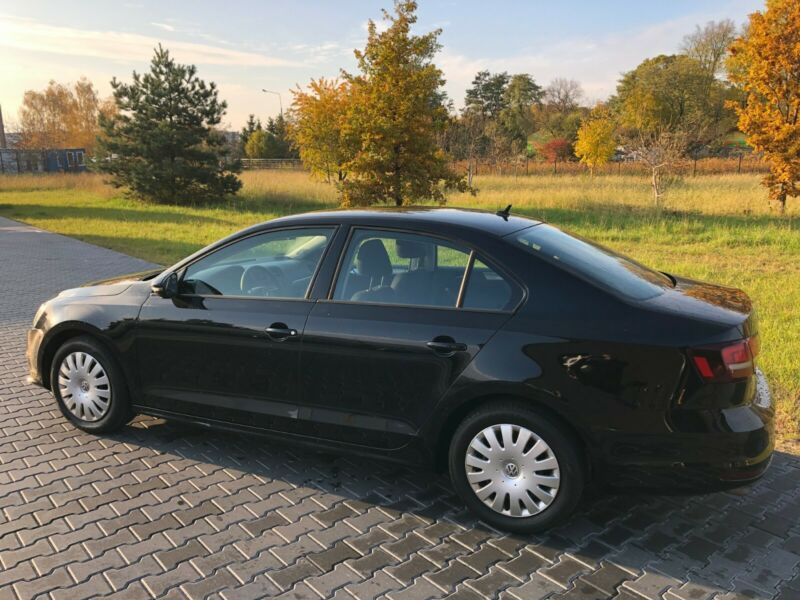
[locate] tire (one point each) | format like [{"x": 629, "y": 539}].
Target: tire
[
  {"x": 513, "y": 469},
  {"x": 89, "y": 386}
]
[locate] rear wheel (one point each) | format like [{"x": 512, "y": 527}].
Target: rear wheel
[
  {"x": 516, "y": 468},
  {"x": 89, "y": 387}
]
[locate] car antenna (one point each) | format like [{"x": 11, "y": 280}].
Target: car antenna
[{"x": 504, "y": 213}]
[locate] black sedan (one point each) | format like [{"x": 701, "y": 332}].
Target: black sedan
[{"x": 524, "y": 360}]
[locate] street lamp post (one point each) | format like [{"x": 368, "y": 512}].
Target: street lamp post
[{"x": 280, "y": 100}]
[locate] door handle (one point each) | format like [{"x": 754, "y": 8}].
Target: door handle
[
  {"x": 280, "y": 332},
  {"x": 445, "y": 346}
]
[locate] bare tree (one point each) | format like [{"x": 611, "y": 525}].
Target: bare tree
[
  {"x": 564, "y": 94},
  {"x": 473, "y": 126},
  {"x": 661, "y": 150},
  {"x": 709, "y": 44}
]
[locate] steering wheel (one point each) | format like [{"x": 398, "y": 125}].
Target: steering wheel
[{"x": 259, "y": 281}]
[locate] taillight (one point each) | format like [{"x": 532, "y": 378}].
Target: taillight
[{"x": 726, "y": 362}]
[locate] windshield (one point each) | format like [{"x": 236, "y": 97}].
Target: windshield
[{"x": 599, "y": 265}]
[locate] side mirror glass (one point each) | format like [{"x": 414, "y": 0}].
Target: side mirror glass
[{"x": 166, "y": 288}]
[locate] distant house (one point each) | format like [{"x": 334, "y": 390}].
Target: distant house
[{"x": 60, "y": 160}]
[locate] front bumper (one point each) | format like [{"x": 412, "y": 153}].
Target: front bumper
[
  {"x": 737, "y": 451},
  {"x": 32, "y": 355}
]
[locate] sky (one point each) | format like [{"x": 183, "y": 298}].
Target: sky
[{"x": 247, "y": 46}]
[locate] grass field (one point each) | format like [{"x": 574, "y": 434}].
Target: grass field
[{"x": 714, "y": 227}]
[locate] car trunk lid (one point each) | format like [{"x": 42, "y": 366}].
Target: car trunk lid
[{"x": 722, "y": 305}]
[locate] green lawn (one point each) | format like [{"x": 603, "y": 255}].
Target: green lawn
[{"x": 718, "y": 228}]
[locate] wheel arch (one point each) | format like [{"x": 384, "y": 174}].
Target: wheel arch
[
  {"x": 58, "y": 337},
  {"x": 458, "y": 413}
]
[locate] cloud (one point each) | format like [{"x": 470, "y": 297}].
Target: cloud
[
  {"x": 29, "y": 35},
  {"x": 164, "y": 26},
  {"x": 595, "y": 61}
]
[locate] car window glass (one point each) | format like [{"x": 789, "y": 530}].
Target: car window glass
[
  {"x": 278, "y": 264},
  {"x": 401, "y": 268},
  {"x": 594, "y": 262},
  {"x": 487, "y": 290}
]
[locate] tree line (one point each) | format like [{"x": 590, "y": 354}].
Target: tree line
[
  {"x": 666, "y": 108},
  {"x": 388, "y": 132}
]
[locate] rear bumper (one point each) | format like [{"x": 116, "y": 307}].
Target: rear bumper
[{"x": 736, "y": 452}]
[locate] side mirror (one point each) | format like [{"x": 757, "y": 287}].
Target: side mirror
[{"x": 166, "y": 288}]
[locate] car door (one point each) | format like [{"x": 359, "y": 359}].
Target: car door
[
  {"x": 400, "y": 324},
  {"x": 227, "y": 347}
]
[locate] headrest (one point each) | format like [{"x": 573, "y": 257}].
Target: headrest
[
  {"x": 408, "y": 249},
  {"x": 372, "y": 260}
]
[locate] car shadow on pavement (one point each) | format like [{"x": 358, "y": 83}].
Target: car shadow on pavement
[{"x": 624, "y": 533}]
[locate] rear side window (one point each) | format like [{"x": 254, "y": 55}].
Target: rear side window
[
  {"x": 387, "y": 267},
  {"x": 487, "y": 290},
  {"x": 599, "y": 265}
]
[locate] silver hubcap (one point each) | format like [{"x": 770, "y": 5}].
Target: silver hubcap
[
  {"x": 512, "y": 470},
  {"x": 84, "y": 386}
]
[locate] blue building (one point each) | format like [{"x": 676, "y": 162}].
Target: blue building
[
  {"x": 67, "y": 160},
  {"x": 61, "y": 160}
]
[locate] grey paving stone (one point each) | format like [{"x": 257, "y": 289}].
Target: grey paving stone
[
  {"x": 406, "y": 572},
  {"x": 607, "y": 578},
  {"x": 286, "y": 577},
  {"x": 581, "y": 591},
  {"x": 692, "y": 590},
  {"x": 651, "y": 585},
  {"x": 492, "y": 583},
  {"x": 422, "y": 589},
  {"x": 325, "y": 560},
  {"x": 564, "y": 571},
  {"x": 539, "y": 586}
]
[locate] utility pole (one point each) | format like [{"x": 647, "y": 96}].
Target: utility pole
[
  {"x": 280, "y": 100},
  {"x": 2, "y": 131}
]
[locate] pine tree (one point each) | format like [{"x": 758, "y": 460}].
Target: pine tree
[
  {"x": 248, "y": 130},
  {"x": 161, "y": 145}
]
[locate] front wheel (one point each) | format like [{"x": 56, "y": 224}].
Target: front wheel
[
  {"x": 89, "y": 387},
  {"x": 516, "y": 468}
]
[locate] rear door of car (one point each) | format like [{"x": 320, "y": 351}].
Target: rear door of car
[
  {"x": 399, "y": 324},
  {"x": 228, "y": 346}
]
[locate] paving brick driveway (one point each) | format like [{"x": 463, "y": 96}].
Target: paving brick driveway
[{"x": 163, "y": 510}]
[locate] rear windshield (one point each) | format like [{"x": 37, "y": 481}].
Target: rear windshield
[{"x": 599, "y": 265}]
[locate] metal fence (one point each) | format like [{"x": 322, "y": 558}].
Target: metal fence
[
  {"x": 702, "y": 166},
  {"x": 292, "y": 164}
]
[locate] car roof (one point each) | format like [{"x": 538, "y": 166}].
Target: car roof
[{"x": 488, "y": 222}]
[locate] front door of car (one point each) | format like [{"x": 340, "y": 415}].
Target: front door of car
[
  {"x": 227, "y": 347},
  {"x": 400, "y": 326}
]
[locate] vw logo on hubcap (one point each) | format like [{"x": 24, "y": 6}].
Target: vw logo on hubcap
[{"x": 512, "y": 470}]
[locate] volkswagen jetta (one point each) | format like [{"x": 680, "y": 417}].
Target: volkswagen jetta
[{"x": 524, "y": 360}]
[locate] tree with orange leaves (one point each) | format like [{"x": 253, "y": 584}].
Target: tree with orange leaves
[
  {"x": 60, "y": 117},
  {"x": 765, "y": 62},
  {"x": 316, "y": 127}
]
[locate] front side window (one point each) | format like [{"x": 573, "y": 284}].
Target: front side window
[
  {"x": 401, "y": 268},
  {"x": 277, "y": 264},
  {"x": 70, "y": 159}
]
